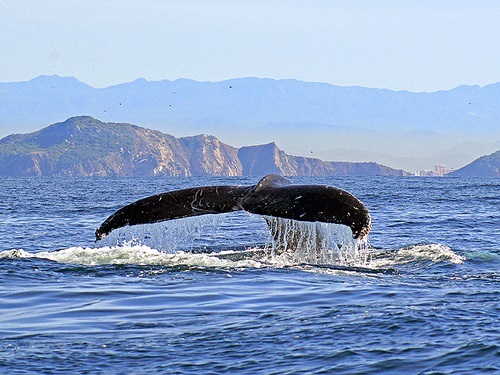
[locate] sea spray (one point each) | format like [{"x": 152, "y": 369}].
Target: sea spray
[
  {"x": 170, "y": 237},
  {"x": 137, "y": 255},
  {"x": 419, "y": 253},
  {"x": 206, "y": 233},
  {"x": 296, "y": 242},
  {"x": 287, "y": 241}
]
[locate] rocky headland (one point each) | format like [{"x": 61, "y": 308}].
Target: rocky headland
[{"x": 85, "y": 146}]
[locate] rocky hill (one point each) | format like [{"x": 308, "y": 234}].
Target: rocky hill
[
  {"x": 485, "y": 166},
  {"x": 85, "y": 146}
]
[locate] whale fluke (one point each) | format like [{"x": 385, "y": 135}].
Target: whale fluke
[
  {"x": 174, "y": 205},
  {"x": 273, "y": 196}
]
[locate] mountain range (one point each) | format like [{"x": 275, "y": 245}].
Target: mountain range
[
  {"x": 85, "y": 146},
  {"x": 397, "y": 128}
]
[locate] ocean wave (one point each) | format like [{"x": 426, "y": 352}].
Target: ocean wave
[
  {"x": 140, "y": 255},
  {"x": 435, "y": 253}
]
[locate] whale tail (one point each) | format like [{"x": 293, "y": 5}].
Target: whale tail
[{"x": 272, "y": 196}]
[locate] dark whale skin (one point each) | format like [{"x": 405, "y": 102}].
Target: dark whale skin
[{"x": 273, "y": 196}]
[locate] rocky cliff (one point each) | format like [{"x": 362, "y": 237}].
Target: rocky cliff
[{"x": 85, "y": 146}]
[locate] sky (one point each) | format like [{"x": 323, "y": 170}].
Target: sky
[{"x": 424, "y": 45}]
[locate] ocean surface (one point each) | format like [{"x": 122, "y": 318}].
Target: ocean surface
[{"x": 209, "y": 295}]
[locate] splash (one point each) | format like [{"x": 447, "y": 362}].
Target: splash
[
  {"x": 187, "y": 234},
  {"x": 220, "y": 241},
  {"x": 288, "y": 242},
  {"x": 140, "y": 255},
  {"x": 435, "y": 253},
  {"x": 298, "y": 242}
]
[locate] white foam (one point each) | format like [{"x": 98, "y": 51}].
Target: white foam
[
  {"x": 143, "y": 255},
  {"x": 178, "y": 242},
  {"x": 436, "y": 253},
  {"x": 294, "y": 242},
  {"x": 14, "y": 253},
  {"x": 130, "y": 255}
]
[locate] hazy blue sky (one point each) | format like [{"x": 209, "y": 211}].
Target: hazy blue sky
[{"x": 419, "y": 45}]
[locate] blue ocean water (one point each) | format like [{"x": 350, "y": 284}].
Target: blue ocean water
[{"x": 136, "y": 303}]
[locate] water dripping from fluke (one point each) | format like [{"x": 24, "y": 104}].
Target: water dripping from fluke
[{"x": 294, "y": 242}]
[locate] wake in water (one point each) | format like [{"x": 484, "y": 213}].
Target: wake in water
[
  {"x": 435, "y": 253},
  {"x": 139, "y": 255},
  {"x": 221, "y": 241}
]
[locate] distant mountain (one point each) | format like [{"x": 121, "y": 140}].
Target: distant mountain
[
  {"x": 84, "y": 146},
  {"x": 485, "y": 166},
  {"x": 407, "y": 128}
]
